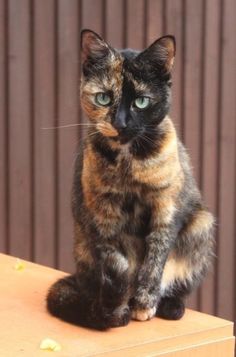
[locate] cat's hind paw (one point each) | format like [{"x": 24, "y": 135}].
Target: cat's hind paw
[
  {"x": 143, "y": 314},
  {"x": 171, "y": 308}
]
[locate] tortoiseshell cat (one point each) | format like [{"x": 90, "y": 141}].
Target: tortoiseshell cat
[{"x": 143, "y": 237}]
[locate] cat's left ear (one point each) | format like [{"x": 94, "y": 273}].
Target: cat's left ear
[
  {"x": 160, "y": 53},
  {"x": 93, "y": 47}
]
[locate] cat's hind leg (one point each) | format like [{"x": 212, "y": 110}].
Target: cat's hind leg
[
  {"x": 186, "y": 265},
  {"x": 92, "y": 298}
]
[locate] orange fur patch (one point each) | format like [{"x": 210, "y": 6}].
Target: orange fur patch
[
  {"x": 162, "y": 169},
  {"x": 107, "y": 129},
  {"x": 200, "y": 223}
]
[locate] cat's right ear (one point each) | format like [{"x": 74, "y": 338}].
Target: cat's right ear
[
  {"x": 160, "y": 54},
  {"x": 93, "y": 48}
]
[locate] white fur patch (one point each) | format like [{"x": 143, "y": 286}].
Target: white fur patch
[
  {"x": 121, "y": 264},
  {"x": 143, "y": 315}
]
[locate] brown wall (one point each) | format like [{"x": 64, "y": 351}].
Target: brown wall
[{"x": 39, "y": 69}]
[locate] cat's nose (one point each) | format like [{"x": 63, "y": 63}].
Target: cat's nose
[
  {"x": 119, "y": 125},
  {"x": 120, "y": 122}
]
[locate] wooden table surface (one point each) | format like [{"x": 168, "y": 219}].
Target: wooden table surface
[{"x": 25, "y": 323}]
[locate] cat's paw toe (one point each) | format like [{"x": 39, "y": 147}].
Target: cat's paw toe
[{"x": 143, "y": 314}]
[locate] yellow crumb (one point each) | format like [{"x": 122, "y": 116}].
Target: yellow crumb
[
  {"x": 19, "y": 265},
  {"x": 50, "y": 345}
]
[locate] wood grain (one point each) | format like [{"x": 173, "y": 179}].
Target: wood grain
[{"x": 195, "y": 334}]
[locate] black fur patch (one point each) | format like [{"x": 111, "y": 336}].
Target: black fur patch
[
  {"x": 171, "y": 308},
  {"x": 142, "y": 228},
  {"x": 78, "y": 299},
  {"x": 101, "y": 146}
]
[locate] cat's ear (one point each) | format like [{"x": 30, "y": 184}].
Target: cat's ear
[
  {"x": 93, "y": 47},
  {"x": 160, "y": 53}
]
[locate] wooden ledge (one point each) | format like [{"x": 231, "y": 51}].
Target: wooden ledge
[{"x": 25, "y": 323}]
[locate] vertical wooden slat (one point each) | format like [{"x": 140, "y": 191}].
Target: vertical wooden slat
[
  {"x": 210, "y": 131},
  {"x": 91, "y": 18},
  {"x": 174, "y": 26},
  {"x": 114, "y": 23},
  {"x": 192, "y": 89},
  {"x": 92, "y": 15},
  {"x": 44, "y": 140},
  {"x": 135, "y": 21},
  {"x": 3, "y": 123},
  {"x": 155, "y": 20},
  {"x": 20, "y": 219},
  {"x": 192, "y": 92},
  {"x": 68, "y": 95},
  {"x": 226, "y": 245}
]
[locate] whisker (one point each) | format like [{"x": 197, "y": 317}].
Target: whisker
[
  {"x": 68, "y": 126},
  {"x": 94, "y": 133},
  {"x": 139, "y": 142},
  {"x": 147, "y": 139}
]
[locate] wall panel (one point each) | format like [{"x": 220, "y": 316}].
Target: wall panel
[
  {"x": 227, "y": 173},
  {"x": 210, "y": 131},
  {"x": 192, "y": 91},
  {"x": 20, "y": 128},
  {"x": 3, "y": 128},
  {"x": 68, "y": 95},
  {"x": 44, "y": 52}
]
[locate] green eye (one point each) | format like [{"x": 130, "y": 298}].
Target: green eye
[
  {"x": 142, "y": 102},
  {"x": 103, "y": 99}
]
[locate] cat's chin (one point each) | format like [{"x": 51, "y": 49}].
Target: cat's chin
[
  {"x": 127, "y": 137},
  {"x": 124, "y": 141}
]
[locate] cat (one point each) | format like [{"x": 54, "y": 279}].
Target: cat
[{"x": 143, "y": 236}]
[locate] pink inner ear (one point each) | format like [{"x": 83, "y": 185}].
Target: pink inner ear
[
  {"x": 91, "y": 45},
  {"x": 168, "y": 47},
  {"x": 87, "y": 40}
]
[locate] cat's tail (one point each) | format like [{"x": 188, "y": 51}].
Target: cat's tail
[{"x": 89, "y": 306}]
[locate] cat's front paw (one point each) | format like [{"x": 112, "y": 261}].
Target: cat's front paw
[
  {"x": 143, "y": 314},
  {"x": 143, "y": 305}
]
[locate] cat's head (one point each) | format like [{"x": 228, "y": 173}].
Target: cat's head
[{"x": 125, "y": 93}]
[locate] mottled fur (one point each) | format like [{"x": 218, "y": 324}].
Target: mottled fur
[{"x": 143, "y": 237}]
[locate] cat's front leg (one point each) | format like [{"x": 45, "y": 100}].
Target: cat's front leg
[
  {"x": 145, "y": 301},
  {"x": 114, "y": 290}
]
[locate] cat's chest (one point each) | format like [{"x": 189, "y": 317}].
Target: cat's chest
[
  {"x": 134, "y": 174},
  {"x": 137, "y": 214}
]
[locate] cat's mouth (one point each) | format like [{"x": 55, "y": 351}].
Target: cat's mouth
[
  {"x": 126, "y": 136},
  {"x": 123, "y": 135}
]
